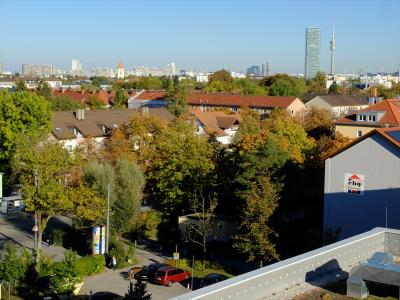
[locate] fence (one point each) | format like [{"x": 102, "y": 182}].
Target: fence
[{"x": 308, "y": 267}]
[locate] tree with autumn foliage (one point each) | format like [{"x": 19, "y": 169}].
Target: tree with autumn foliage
[
  {"x": 290, "y": 132},
  {"x": 318, "y": 122},
  {"x": 254, "y": 234}
]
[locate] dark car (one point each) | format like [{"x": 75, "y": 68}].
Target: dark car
[
  {"x": 211, "y": 279},
  {"x": 169, "y": 275},
  {"x": 147, "y": 272}
]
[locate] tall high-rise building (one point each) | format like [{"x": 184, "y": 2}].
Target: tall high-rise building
[
  {"x": 313, "y": 45},
  {"x": 120, "y": 70},
  {"x": 31, "y": 70},
  {"x": 47, "y": 70},
  {"x": 76, "y": 65},
  {"x": 333, "y": 47},
  {"x": 253, "y": 71},
  {"x": 265, "y": 69}
]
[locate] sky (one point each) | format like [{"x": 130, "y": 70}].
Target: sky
[{"x": 199, "y": 35}]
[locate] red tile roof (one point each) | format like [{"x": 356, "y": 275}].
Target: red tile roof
[
  {"x": 216, "y": 121},
  {"x": 391, "y": 107},
  {"x": 103, "y": 96},
  {"x": 222, "y": 99}
]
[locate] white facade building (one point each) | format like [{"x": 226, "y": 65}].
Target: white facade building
[{"x": 120, "y": 70}]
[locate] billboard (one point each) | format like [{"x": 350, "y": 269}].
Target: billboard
[
  {"x": 99, "y": 239},
  {"x": 354, "y": 183}
]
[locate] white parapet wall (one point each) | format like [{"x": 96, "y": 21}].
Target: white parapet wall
[{"x": 337, "y": 257}]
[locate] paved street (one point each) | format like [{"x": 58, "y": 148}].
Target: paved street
[
  {"x": 18, "y": 230},
  {"x": 116, "y": 282}
]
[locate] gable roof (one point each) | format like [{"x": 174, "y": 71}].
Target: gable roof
[
  {"x": 91, "y": 125},
  {"x": 383, "y": 132},
  {"x": 216, "y": 121},
  {"x": 391, "y": 117},
  {"x": 80, "y": 96},
  {"x": 345, "y": 100},
  {"x": 224, "y": 99}
]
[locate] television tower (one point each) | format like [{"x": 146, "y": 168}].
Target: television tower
[{"x": 333, "y": 47}]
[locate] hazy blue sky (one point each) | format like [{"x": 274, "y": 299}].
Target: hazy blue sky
[{"x": 198, "y": 34}]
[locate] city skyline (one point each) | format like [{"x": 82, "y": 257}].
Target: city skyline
[{"x": 192, "y": 35}]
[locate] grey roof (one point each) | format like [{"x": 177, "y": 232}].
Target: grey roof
[
  {"x": 94, "y": 120},
  {"x": 345, "y": 100}
]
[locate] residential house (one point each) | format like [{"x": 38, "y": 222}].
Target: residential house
[
  {"x": 339, "y": 105},
  {"x": 218, "y": 123},
  {"x": 222, "y": 229},
  {"x": 233, "y": 102},
  {"x": 84, "y": 97},
  {"x": 362, "y": 184},
  {"x": 147, "y": 99},
  {"x": 73, "y": 128},
  {"x": 385, "y": 113}
]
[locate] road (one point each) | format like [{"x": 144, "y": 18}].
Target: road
[
  {"x": 115, "y": 281},
  {"x": 18, "y": 230}
]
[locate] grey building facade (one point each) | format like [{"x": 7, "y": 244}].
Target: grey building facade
[
  {"x": 362, "y": 184},
  {"x": 313, "y": 46}
]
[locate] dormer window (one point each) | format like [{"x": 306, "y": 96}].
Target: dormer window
[
  {"x": 104, "y": 128},
  {"x": 75, "y": 131},
  {"x": 362, "y": 118}
]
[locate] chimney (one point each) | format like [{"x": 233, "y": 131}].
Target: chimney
[
  {"x": 80, "y": 114},
  {"x": 374, "y": 91}
]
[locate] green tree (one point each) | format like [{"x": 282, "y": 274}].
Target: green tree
[
  {"x": 120, "y": 99},
  {"x": 21, "y": 86},
  {"x": 177, "y": 100},
  {"x": 149, "y": 83},
  {"x": 44, "y": 90},
  {"x": 21, "y": 113},
  {"x": 46, "y": 171},
  {"x": 254, "y": 235},
  {"x": 129, "y": 193},
  {"x": 180, "y": 165},
  {"x": 333, "y": 89},
  {"x": 318, "y": 122},
  {"x": 290, "y": 132},
  {"x": 221, "y": 81},
  {"x": 65, "y": 275},
  {"x": 251, "y": 87},
  {"x": 284, "y": 85},
  {"x": 65, "y": 103},
  {"x": 317, "y": 84},
  {"x": 12, "y": 267},
  {"x": 139, "y": 292}
]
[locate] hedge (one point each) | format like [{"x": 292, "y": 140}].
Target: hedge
[{"x": 90, "y": 264}]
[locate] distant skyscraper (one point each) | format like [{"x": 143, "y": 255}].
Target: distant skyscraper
[
  {"x": 253, "y": 71},
  {"x": 76, "y": 65},
  {"x": 313, "y": 43},
  {"x": 265, "y": 69},
  {"x": 333, "y": 47},
  {"x": 120, "y": 70}
]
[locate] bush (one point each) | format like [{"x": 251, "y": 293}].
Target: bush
[
  {"x": 65, "y": 275},
  {"x": 118, "y": 251},
  {"x": 91, "y": 264}
]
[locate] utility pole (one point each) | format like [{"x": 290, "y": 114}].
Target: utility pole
[{"x": 108, "y": 218}]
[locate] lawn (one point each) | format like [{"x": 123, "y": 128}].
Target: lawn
[{"x": 198, "y": 272}]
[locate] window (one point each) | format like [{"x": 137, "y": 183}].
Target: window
[
  {"x": 234, "y": 108},
  {"x": 359, "y": 132}
]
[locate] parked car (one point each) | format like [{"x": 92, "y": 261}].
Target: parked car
[
  {"x": 212, "y": 278},
  {"x": 147, "y": 272},
  {"x": 169, "y": 275}
]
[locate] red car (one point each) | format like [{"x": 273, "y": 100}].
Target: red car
[{"x": 169, "y": 275}]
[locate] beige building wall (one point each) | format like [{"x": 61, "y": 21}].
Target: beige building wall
[
  {"x": 353, "y": 131},
  {"x": 296, "y": 107}
]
